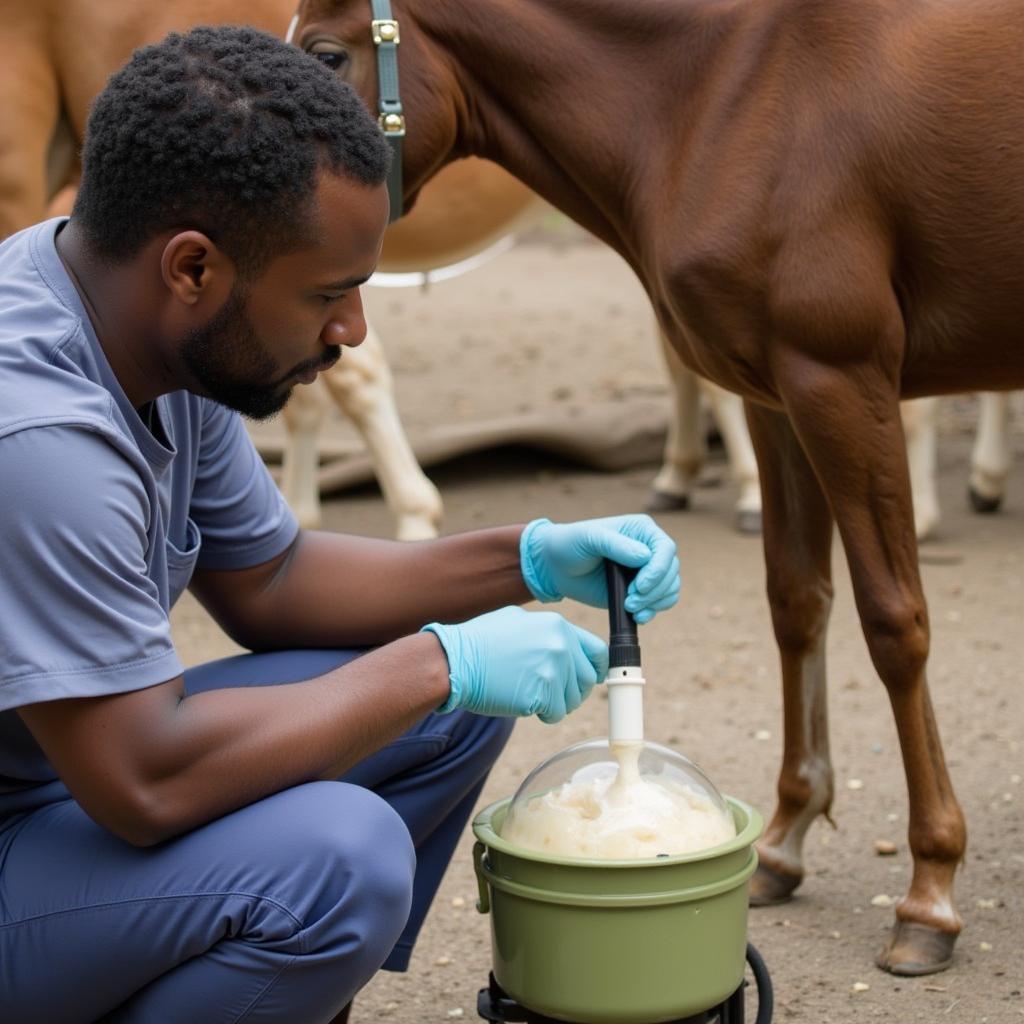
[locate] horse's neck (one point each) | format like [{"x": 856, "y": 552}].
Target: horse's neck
[{"x": 562, "y": 94}]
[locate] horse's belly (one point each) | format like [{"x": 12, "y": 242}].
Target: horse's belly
[
  {"x": 980, "y": 364},
  {"x": 952, "y": 348}
]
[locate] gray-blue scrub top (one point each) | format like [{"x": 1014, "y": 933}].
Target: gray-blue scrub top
[{"x": 101, "y": 523}]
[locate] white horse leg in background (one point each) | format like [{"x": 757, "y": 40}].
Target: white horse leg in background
[
  {"x": 363, "y": 389},
  {"x": 686, "y": 449},
  {"x": 303, "y": 417},
  {"x": 991, "y": 458},
  {"x": 920, "y": 430},
  {"x": 727, "y": 410},
  {"x": 360, "y": 383}
]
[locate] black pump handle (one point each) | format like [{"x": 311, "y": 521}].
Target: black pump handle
[{"x": 623, "y": 645}]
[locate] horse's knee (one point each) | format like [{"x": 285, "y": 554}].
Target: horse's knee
[
  {"x": 357, "y": 395},
  {"x": 799, "y": 612},
  {"x": 898, "y": 640}
]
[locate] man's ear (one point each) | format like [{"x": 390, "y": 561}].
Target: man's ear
[{"x": 195, "y": 270}]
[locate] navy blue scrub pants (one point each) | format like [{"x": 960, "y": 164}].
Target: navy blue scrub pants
[{"x": 278, "y": 912}]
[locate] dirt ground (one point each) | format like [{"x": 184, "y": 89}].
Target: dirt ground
[{"x": 559, "y": 322}]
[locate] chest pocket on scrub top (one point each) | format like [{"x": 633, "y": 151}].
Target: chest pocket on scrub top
[{"x": 181, "y": 562}]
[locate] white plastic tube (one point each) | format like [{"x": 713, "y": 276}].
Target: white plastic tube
[{"x": 625, "y": 704}]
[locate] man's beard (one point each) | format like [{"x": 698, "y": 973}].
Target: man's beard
[{"x": 228, "y": 360}]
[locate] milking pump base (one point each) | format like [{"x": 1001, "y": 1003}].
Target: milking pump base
[{"x": 496, "y": 1006}]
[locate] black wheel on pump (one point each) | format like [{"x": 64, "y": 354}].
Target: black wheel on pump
[{"x": 763, "y": 983}]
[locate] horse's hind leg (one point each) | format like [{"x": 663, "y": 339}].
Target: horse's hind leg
[
  {"x": 797, "y": 545},
  {"x": 991, "y": 457},
  {"x": 848, "y": 421}
]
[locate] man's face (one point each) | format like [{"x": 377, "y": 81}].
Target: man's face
[
  {"x": 233, "y": 366},
  {"x": 293, "y": 320}
]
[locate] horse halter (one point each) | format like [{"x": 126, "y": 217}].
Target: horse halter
[
  {"x": 389, "y": 108},
  {"x": 389, "y": 105}
]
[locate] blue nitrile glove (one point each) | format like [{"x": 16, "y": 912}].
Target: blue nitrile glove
[
  {"x": 514, "y": 662},
  {"x": 567, "y": 560}
]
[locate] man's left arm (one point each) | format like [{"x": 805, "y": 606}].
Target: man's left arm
[
  {"x": 335, "y": 590},
  {"x": 272, "y": 586}
]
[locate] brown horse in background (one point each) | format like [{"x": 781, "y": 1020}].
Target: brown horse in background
[
  {"x": 825, "y": 202},
  {"x": 56, "y": 55}
]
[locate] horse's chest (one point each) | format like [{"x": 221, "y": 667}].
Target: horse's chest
[{"x": 713, "y": 317}]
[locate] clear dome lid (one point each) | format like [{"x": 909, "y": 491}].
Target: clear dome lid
[{"x": 632, "y": 801}]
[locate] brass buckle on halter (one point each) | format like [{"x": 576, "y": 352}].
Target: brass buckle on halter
[
  {"x": 392, "y": 124},
  {"x": 385, "y": 30}
]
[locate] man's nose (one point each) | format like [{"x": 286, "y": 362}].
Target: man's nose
[{"x": 348, "y": 326}]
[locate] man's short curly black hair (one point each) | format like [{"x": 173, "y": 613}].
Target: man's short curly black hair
[{"x": 222, "y": 130}]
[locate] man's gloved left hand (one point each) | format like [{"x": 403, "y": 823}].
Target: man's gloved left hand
[{"x": 567, "y": 560}]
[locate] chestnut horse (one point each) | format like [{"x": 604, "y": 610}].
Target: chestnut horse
[
  {"x": 55, "y": 55},
  {"x": 824, "y": 200}
]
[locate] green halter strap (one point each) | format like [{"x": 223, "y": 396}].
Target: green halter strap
[{"x": 392, "y": 120}]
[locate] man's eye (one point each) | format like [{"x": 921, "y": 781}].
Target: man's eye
[{"x": 328, "y": 299}]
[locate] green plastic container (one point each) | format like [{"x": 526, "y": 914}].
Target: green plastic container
[{"x": 617, "y": 941}]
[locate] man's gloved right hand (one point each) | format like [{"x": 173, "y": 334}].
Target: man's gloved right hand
[{"x": 513, "y": 662}]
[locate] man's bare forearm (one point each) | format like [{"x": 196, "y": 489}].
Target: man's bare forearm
[
  {"x": 153, "y": 763},
  {"x": 335, "y": 590},
  {"x": 239, "y": 745}
]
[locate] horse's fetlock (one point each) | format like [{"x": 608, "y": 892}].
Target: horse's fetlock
[
  {"x": 807, "y": 789},
  {"x": 945, "y": 840}
]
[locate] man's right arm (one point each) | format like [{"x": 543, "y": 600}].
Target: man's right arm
[
  {"x": 89, "y": 661},
  {"x": 90, "y": 664},
  {"x": 152, "y": 763}
]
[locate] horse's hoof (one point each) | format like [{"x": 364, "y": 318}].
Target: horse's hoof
[
  {"x": 982, "y": 504},
  {"x": 769, "y": 887},
  {"x": 661, "y": 501},
  {"x": 925, "y": 528},
  {"x": 748, "y": 521},
  {"x": 915, "y": 949}
]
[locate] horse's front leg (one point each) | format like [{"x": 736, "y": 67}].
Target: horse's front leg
[
  {"x": 303, "y": 418},
  {"x": 848, "y": 421},
  {"x": 361, "y": 385},
  {"x": 727, "y": 409},
  {"x": 920, "y": 429},
  {"x": 797, "y": 546},
  {"x": 685, "y": 449}
]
